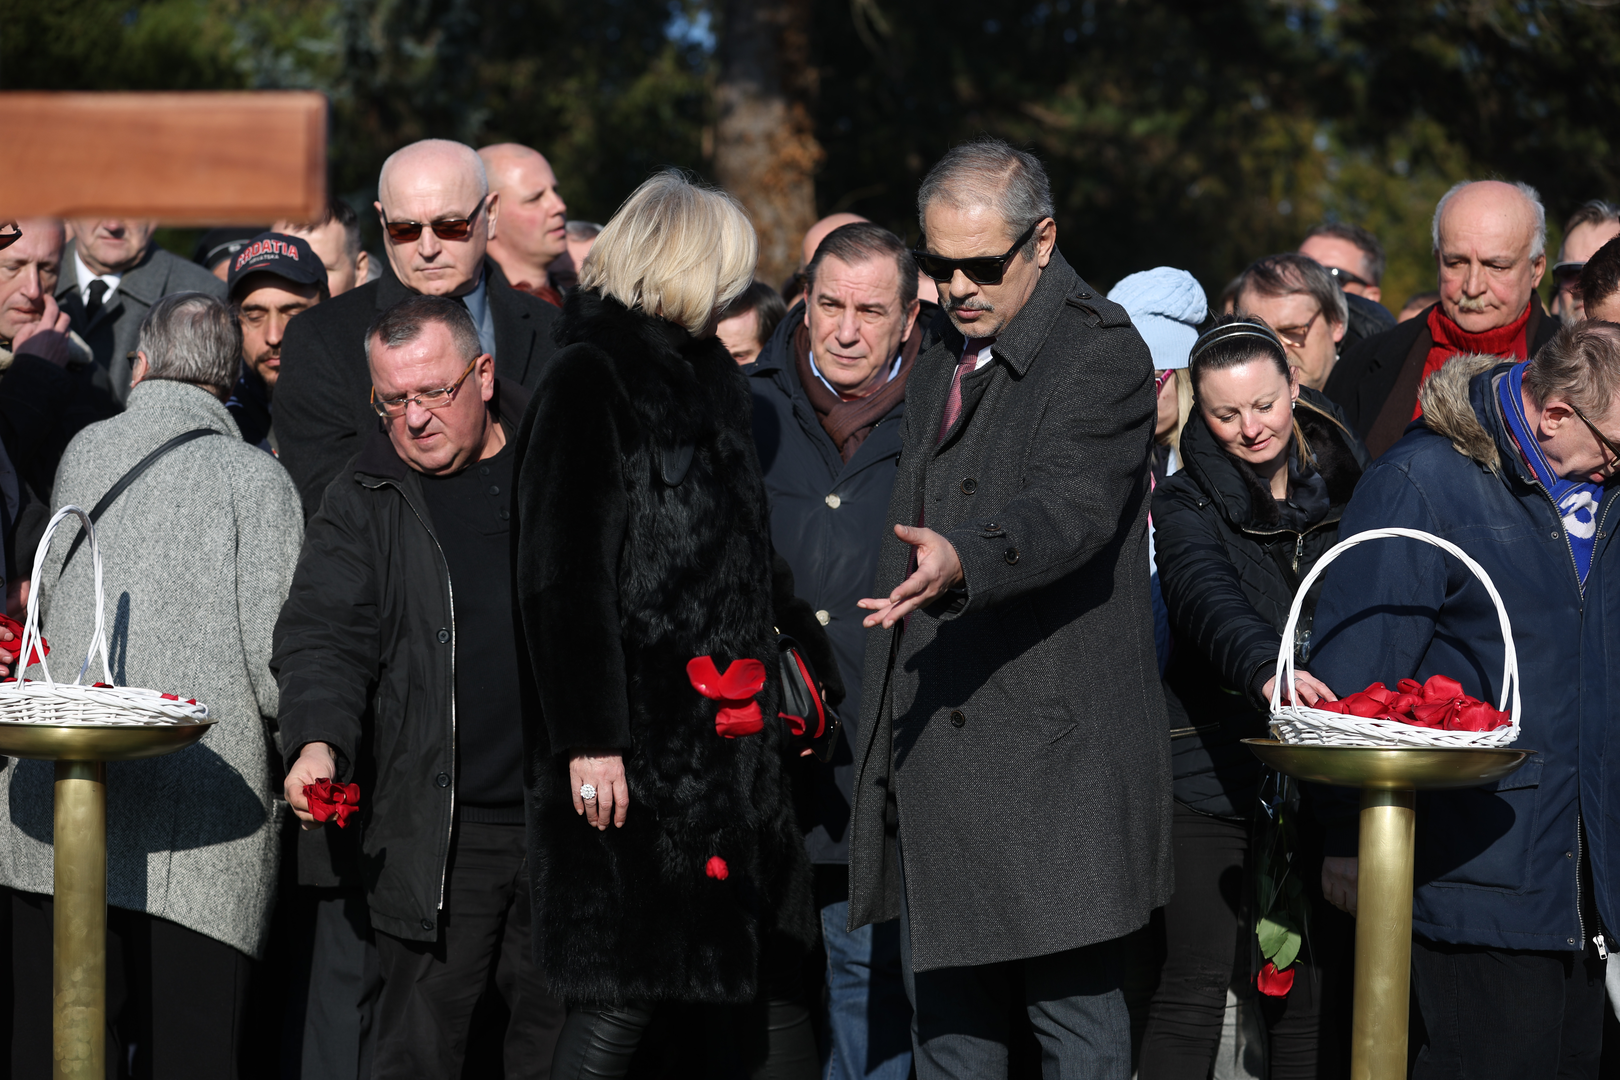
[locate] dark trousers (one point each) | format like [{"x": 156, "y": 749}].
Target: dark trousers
[
  {"x": 344, "y": 983},
  {"x": 1515, "y": 1015},
  {"x": 175, "y": 998},
  {"x": 1075, "y": 1002},
  {"x": 431, "y": 988},
  {"x": 1207, "y": 939}
]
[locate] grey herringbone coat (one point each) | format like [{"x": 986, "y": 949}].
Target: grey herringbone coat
[
  {"x": 197, "y": 556},
  {"x": 1019, "y": 725}
]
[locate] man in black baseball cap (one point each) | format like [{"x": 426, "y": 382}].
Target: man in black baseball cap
[{"x": 272, "y": 277}]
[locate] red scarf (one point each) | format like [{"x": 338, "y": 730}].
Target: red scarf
[{"x": 1508, "y": 342}]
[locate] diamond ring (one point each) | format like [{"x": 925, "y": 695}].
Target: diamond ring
[{"x": 587, "y": 792}]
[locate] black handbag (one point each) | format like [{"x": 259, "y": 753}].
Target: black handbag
[{"x": 812, "y": 722}]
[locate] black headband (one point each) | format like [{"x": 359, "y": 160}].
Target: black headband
[{"x": 1228, "y": 331}]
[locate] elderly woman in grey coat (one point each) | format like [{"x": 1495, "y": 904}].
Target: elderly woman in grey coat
[{"x": 198, "y": 554}]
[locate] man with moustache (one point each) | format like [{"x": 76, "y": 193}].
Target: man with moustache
[
  {"x": 1490, "y": 241},
  {"x": 438, "y": 216},
  {"x": 829, "y": 396},
  {"x": 1012, "y": 789},
  {"x": 272, "y": 278},
  {"x": 534, "y": 218},
  {"x": 112, "y": 275}
]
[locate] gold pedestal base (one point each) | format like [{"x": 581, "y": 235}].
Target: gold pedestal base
[
  {"x": 79, "y": 973},
  {"x": 1390, "y": 779}
]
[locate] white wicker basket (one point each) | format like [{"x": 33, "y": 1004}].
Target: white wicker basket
[
  {"x": 44, "y": 701},
  {"x": 1303, "y": 724}
]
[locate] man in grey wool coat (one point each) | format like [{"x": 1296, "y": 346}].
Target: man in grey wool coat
[
  {"x": 1012, "y": 795},
  {"x": 198, "y": 554}
]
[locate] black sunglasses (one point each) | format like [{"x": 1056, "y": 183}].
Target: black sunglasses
[
  {"x": 10, "y": 233},
  {"x": 1567, "y": 275},
  {"x": 1345, "y": 277},
  {"x": 979, "y": 269}
]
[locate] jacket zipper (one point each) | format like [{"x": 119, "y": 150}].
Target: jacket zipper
[{"x": 450, "y": 587}]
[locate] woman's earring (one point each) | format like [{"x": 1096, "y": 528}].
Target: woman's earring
[{"x": 1292, "y": 405}]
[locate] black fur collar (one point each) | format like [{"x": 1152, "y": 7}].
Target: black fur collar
[{"x": 604, "y": 322}]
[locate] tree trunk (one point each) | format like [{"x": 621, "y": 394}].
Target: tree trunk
[{"x": 765, "y": 149}]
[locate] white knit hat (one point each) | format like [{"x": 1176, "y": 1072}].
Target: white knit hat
[{"x": 1166, "y": 305}]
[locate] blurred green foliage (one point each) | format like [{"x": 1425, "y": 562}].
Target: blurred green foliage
[{"x": 1197, "y": 134}]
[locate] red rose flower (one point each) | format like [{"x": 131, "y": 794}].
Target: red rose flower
[
  {"x": 739, "y": 713},
  {"x": 332, "y": 802},
  {"x": 1437, "y": 703},
  {"x": 716, "y": 868},
  {"x": 1274, "y": 983}
]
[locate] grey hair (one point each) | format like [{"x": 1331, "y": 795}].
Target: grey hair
[
  {"x": 1538, "y": 243},
  {"x": 192, "y": 337},
  {"x": 404, "y": 322},
  {"x": 860, "y": 241},
  {"x": 989, "y": 172},
  {"x": 1292, "y": 273}
]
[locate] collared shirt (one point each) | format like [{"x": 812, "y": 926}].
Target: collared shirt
[
  {"x": 894, "y": 369},
  {"x": 477, "y": 305},
  {"x": 84, "y": 277},
  {"x": 985, "y": 355}
]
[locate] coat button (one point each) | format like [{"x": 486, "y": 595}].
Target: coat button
[
  {"x": 1011, "y": 555},
  {"x": 427, "y": 924},
  {"x": 957, "y": 719},
  {"x": 823, "y": 617},
  {"x": 444, "y": 636},
  {"x": 969, "y": 485},
  {"x": 442, "y": 780},
  {"x": 494, "y": 489},
  {"x": 834, "y": 501},
  {"x": 991, "y": 526},
  {"x": 503, "y": 513}
]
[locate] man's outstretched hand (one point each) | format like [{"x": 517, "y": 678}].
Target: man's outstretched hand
[{"x": 938, "y": 569}]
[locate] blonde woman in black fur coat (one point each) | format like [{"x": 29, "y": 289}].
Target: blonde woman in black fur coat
[{"x": 667, "y": 864}]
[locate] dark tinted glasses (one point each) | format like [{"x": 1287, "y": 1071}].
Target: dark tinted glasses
[
  {"x": 979, "y": 269},
  {"x": 1345, "y": 277},
  {"x": 1567, "y": 275},
  {"x": 406, "y": 232},
  {"x": 10, "y": 233}
]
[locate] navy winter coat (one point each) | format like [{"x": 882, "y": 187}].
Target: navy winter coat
[
  {"x": 1497, "y": 866},
  {"x": 828, "y": 520}
]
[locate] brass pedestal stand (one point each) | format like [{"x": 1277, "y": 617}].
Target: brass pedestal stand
[
  {"x": 79, "y": 976},
  {"x": 1389, "y": 780}
]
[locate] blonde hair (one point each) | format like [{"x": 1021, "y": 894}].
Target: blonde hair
[{"x": 674, "y": 249}]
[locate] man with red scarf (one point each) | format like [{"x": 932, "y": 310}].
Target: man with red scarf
[{"x": 1490, "y": 241}]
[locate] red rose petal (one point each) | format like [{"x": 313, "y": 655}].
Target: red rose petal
[
  {"x": 1274, "y": 983},
  {"x": 716, "y": 868}
]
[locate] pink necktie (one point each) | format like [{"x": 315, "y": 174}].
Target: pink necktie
[{"x": 953, "y": 403}]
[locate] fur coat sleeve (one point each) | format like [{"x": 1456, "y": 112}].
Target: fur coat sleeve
[{"x": 573, "y": 530}]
